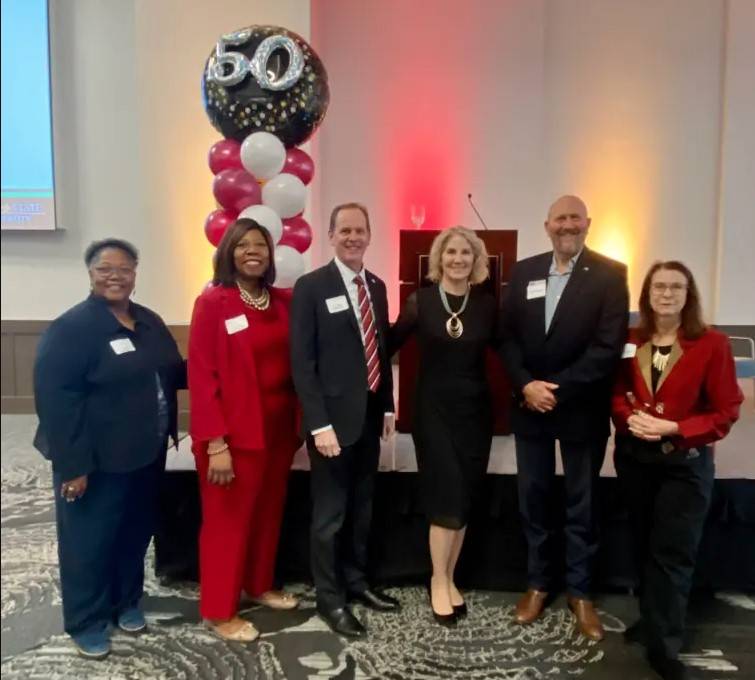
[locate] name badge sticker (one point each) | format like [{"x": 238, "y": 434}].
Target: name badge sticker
[
  {"x": 122, "y": 345},
  {"x": 536, "y": 289},
  {"x": 236, "y": 324},
  {"x": 337, "y": 304},
  {"x": 630, "y": 350}
]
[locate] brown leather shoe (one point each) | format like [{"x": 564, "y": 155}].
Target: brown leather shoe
[
  {"x": 530, "y": 606},
  {"x": 588, "y": 621}
]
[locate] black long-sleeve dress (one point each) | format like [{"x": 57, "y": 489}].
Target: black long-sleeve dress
[{"x": 453, "y": 419}]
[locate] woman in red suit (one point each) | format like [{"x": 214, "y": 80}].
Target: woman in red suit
[
  {"x": 675, "y": 395},
  {"x": 243, "y": 427}
]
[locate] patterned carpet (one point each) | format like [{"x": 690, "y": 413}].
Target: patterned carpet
[{"x": 407, "y": 645}]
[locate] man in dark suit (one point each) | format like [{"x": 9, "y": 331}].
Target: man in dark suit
[
  {"x": 342, "y": 374},
  {"x": 564, "y": 324}
]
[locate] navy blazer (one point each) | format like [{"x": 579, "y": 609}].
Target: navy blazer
[
  {"x": 580, "y": 352},
  {"x": 98, "y": 408},
  {"x": 327, "y": 354}
]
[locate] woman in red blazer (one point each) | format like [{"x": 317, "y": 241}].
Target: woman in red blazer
[
  {"x": 243, "y": 427},
  {"x": 675, "y": 395}
]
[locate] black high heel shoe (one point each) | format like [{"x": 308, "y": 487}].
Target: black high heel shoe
[
  {"x": 461, "y": 610},
  {"x": 448, "y": 620}
]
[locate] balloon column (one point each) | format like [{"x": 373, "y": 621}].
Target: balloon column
[{"x": 266, "y": 91}]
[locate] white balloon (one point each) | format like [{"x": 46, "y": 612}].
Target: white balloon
[
  {"x": 263, "y": 155},
  {"x": 289, "y": 266},
  {"x": 265, "y": 216},
  {"x": 286, "y": 194}
]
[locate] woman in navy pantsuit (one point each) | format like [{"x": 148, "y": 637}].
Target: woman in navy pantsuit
[{"x": 105, "y": 382}]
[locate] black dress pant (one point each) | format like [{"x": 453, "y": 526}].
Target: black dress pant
[
  {"x": 536, "y": 471},
  {"x": 668, "y": 499},
  {"x": 342, "y": 490},
  {"x": 102, "y": 540}
]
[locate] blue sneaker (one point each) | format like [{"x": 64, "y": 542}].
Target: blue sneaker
[
  {"x": 94, "y": 644},
  {"x": 132, "y": 620}
]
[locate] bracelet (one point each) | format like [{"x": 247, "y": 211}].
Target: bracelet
[{"x": 217, "y": 451}]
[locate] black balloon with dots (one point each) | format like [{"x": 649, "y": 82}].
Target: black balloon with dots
[{"x": 292, "y": 114}]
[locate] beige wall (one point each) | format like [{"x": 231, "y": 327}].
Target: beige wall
[
  {"x": 736, "y": 264},
  {"x": 633, "y": 94},
  {"x": 644, "y": 107},
  {"x": 131, "y": 139},
  {"x": 620, "y": 102}
]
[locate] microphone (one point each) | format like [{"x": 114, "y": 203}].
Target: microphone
[{"x": 476, "y": 211}]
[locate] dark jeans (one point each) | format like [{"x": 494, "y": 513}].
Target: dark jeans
[
  {"x": 102, "y": 540},
  {"x": 668, "y": 499},
  {"x": 536, "y": 471},
  {"x": 342, "y": 489}
]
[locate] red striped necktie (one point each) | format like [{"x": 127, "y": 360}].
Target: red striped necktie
[{"x": 370, "y": 336}]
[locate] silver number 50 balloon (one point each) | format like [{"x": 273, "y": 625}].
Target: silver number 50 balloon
[{"x": 240, "y": 66}]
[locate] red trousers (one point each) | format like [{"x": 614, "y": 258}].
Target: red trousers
[{"x": 241, "y": 522}]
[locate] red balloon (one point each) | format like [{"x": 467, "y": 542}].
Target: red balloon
[
  {"x": 236, "y": 189},
  {"x": 296, "y": 233},
  {"x": 216, "y": 224},
  {"x": 223, "y": 155},
  {"x": 299, "y": 163}
]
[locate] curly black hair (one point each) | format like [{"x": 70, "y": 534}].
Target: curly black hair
[{"x": 95, "y": 247}]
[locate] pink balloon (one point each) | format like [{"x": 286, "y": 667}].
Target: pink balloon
[
  {"x": 236, "y": 189},
  {"x": 216, "y": 224},
  {"x": 296, "y": 233},
  {"x": 224, "y": 155},
  {"x": 299, "y": 163}
]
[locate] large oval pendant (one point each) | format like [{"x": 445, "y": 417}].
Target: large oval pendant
[{"x": 454, "y": 327}]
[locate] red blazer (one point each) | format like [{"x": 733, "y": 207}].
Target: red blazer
[
  {"x": 698, "y": 388},
  {"x": 223, "y": 390}
]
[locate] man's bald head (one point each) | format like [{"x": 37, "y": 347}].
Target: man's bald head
[
  {"x": 567, "y": 225},
  {"x": 567, "y": 202}
]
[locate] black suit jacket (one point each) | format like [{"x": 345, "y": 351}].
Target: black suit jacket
[
  {"x": 327, "y": 354},
  {"x": 98, "y": 409},
  {"x": 580, "y": 351}
]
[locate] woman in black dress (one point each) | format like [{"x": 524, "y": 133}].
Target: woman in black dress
[{"x": 453, "y": 423}]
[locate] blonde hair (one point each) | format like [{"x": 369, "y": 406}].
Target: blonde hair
[{"x": 480, "y": 267}]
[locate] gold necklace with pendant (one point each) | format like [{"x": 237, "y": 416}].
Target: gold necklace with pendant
[{"x": 454, "y": 326}]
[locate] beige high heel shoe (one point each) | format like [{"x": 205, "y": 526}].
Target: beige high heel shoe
[
  {"x": 276, "y": 599},
  {"x": 233, "y": 630}
]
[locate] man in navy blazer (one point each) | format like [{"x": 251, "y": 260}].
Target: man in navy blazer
[
  {"x": 564, "y": 324},
  {"x": 342, "y": 375}
]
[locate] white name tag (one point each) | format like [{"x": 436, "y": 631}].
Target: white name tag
[
  {"x": 536, "y": 289},
  {"x": 122, "y": 345},
  {"x": 236, "y": 324},
  {"x": 630, "y": 350},
  {"x": 337, "y": 304}
]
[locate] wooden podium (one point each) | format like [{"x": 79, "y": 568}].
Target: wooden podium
[{"x": 414, "y": 250}]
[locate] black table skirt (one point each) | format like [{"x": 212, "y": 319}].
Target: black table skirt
[{"x": 494, "y": 555}]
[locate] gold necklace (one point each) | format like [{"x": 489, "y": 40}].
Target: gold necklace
[
  {"x": 454, "y": 326},
  {"x": 261, "y": 302}
]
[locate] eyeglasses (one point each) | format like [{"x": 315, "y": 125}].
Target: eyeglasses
[
  {"x": 675, "y": 288},
  {"x": 104, "y": 272}
]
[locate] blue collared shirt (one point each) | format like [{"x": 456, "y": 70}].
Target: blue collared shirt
[{"x": 556, "y": 284}]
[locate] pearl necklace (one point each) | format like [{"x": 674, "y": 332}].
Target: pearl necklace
[{"x": 261, "y": 302}]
